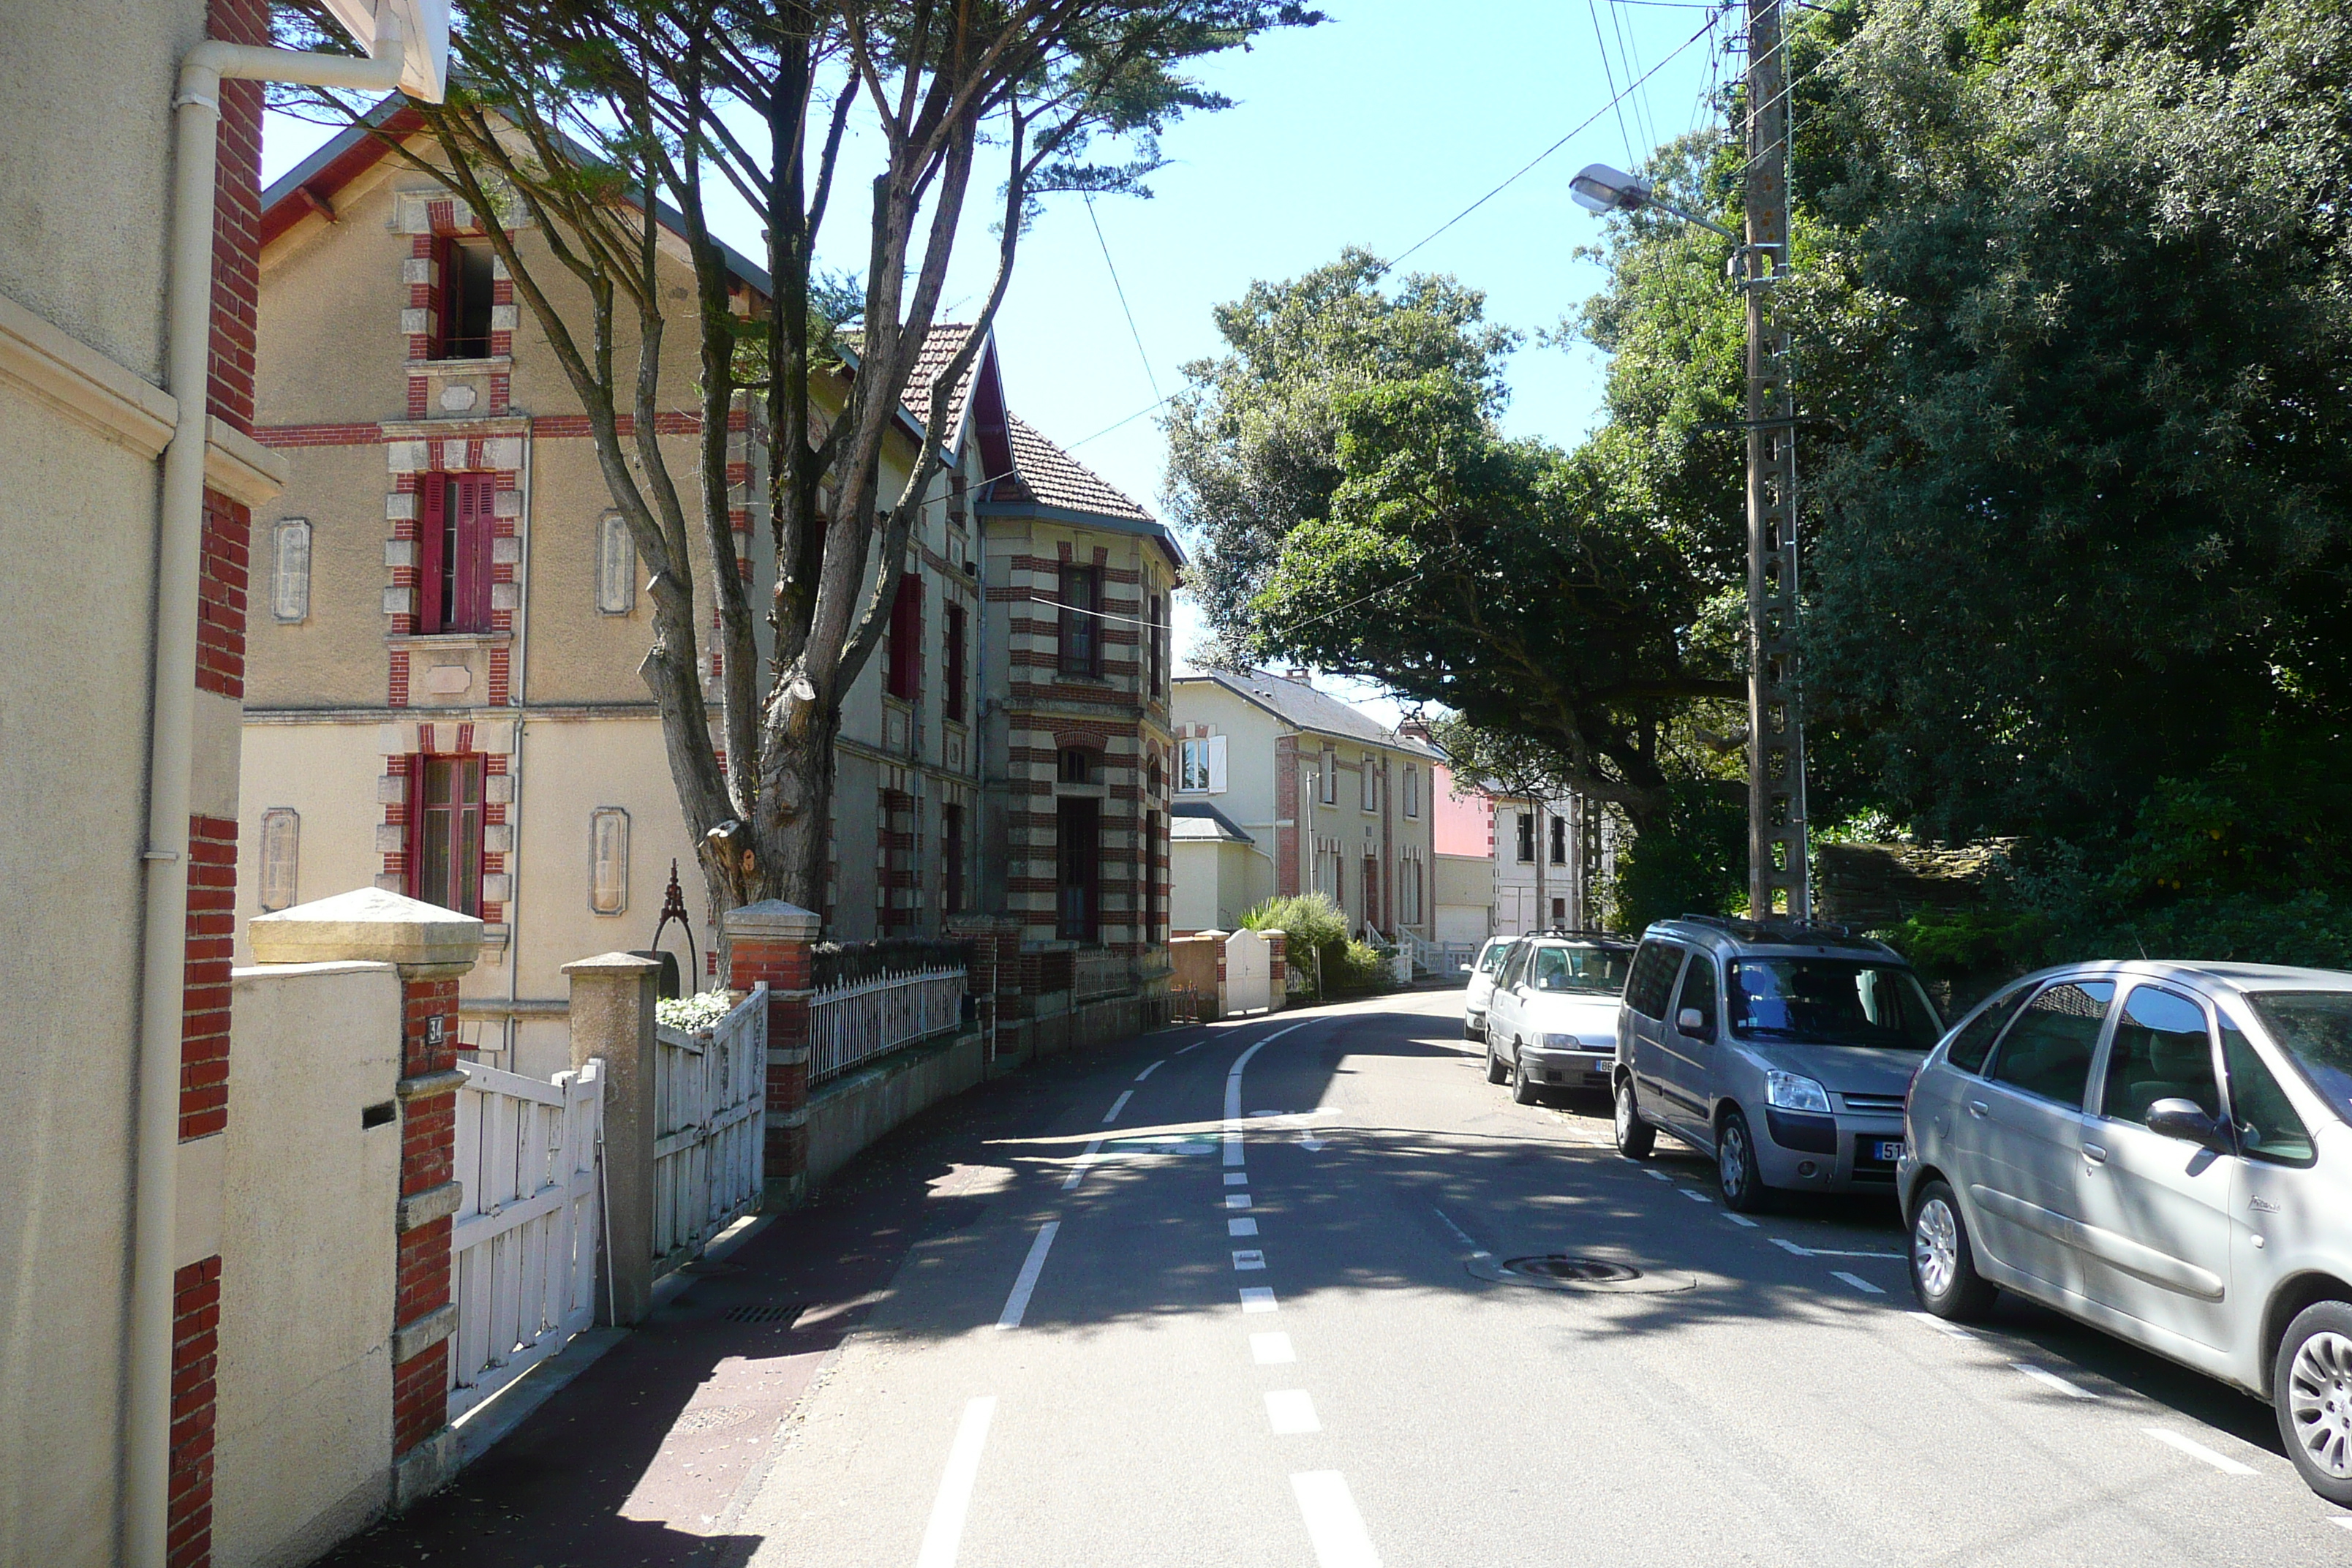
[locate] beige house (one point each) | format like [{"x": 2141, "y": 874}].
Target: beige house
[
  {"x": 1286, "y": 789},
  {"x": 444, "y": 697}
]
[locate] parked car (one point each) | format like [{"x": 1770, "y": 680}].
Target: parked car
[
  {"x": 2160, "y": 1149},
  {"x": 1552, "y": 1020},
  {"x": 1482, "y": 970},
  {"x": 1781, "y": 1049}
]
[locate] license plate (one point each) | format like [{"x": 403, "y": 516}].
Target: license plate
[{"x": 1885, "y": 1150}]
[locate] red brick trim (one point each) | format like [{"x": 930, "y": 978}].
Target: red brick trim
[
  {"x": 195, "y": 1346},
  {"x": 221, "y": 587},
  {"x": 205, "y": 1009}
]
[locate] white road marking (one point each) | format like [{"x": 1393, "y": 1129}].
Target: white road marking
[
  {"x": 1118, "y": 1105},
  {"x": 1468, "y": 1239},
  {"x": 1741, "y": 1220},
  {"x": 1248, "y": 1258},
  {"x": 1241, "y": 1227},
  {"x": 1195, "y": 1046},
  {"x": 1884, "y": 1256},
  {"x": 2221, "y": 1462},
  {"x": 1017, "y": 1304},
  {"x": 1311, "y": 1143},
  {"x": 1857, "y": 1281},
  {"x": 1785, "y": 1245},
  {"x": 1272, "y": 1350},
  {"x": 1942, "y": 1326},
  {"x": 1695, "y": 1198},
  {"x": 1236, "y": 1178},
  {"x": 945, "y": 1532},
  {"x": 1154, "y": 1067},
  {"x": 1332, "y": 1522},
  {"x": 1237, "y": 1200},
  {"x": 2052, "y": 1380},
  {"x": 1258, "y": 1299},
  {"x": 1291, "y": 1411},
  {"x": 1233, "y": 1147},
  {"x": 1658, "y": 1176},
  {"x": 2346, "y": 1523},
  {"x": 1078, "y": 1172},
  {"x": 1269, "y": 1113}
]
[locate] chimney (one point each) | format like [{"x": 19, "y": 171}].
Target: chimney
[{"x": 1298, "y": 673}]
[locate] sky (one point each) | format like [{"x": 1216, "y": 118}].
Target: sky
[{"x": 1372, "y": 130}]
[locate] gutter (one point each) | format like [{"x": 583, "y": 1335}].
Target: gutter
[{"x": 178, "y": 573}]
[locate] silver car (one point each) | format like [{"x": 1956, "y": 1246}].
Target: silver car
[
  {"x": 2162, "y": 1151},
  {"x": 1781, "y": 1049},
  {"x": 1481, "y": 987}
]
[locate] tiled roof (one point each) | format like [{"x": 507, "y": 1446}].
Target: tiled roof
[
  {"x": 941, "y": 344},
  {"x": 1050, "y": 476},
  {"x": 1197, "y": 821},
  {"x": 1297, "y": 704}
]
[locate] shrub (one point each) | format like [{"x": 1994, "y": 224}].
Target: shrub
[
  {"x": 1315, "y": 933},
  {"x": 699, "y": 1011}
]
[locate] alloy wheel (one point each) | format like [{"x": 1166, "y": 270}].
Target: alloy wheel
[
  {"x": 1936, "y": 1247},
  {"x": 2320, "y": 1402},
  {"x": 1624, "y": 1112},
  {"x": 1731, "y": 1159}
]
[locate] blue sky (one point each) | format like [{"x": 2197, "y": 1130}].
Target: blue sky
[{"x": 1372, "y": 131}]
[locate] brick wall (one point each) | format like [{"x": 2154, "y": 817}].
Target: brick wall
[
  {"x": 195, "y": 1343},
  {"x": 204, "y": 1012},
  {"x": 428, "y": 1147},
  {"x": 221, "y": 586}
]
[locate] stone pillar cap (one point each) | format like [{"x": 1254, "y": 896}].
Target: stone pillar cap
[
  {"x": 371, "y": 925},
  {"x": 623, "y": 963},
  {"x": 771, "y": 918}
]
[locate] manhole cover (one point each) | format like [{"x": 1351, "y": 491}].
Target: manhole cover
[
  {"x": 764, "y": 1313},
  {"x": 1569, "y": 1269},
  {"x": 710, "y": 1419},
  {"x": 1573, "y": 1273}
]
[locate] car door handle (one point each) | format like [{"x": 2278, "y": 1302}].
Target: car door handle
[
  {"x": 1979, "y": 1109},
  {"x": 2094, "y": 1155}
]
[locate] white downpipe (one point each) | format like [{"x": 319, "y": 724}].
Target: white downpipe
[{"x": 178, "y": 568}]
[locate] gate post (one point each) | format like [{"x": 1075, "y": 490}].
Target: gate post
[
  {"x": 612, "y": 1017},
  {"x": 1277, "y": 970},
  {"x": 770, "y": 940}
]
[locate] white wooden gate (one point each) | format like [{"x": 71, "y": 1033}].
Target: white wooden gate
[
  {"x": 710, "y": 1132},
  {"x": 1249, "y": 968},
  {"x": 523, "y": 1243}
]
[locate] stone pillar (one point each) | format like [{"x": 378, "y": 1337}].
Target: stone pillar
[
  {"x": 431, "y": 947},
  {"x": 995, "y": 978},
  {"x": 1277, "y": 970},
  {"x": 613, "y": 1020},
  {"x": 770, "y": 940}
]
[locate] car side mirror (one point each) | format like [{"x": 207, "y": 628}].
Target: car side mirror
[
  {"x": 1692, "y": 1022},
  {"x": 1463, "y": 967},
  {"x": 2186, "y": 1121}
]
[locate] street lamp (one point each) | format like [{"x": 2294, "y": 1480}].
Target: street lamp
[{"x": 1597, "y": 188}]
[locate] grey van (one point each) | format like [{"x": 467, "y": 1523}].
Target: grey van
[{"x": 1781, "y": 1048}]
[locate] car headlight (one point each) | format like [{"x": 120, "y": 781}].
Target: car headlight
[{"x": 1790, "y": 1092}]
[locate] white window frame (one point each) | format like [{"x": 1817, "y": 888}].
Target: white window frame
[
  {"x": 1201, "y": 765},
  {"x": 1412, "y": 789},
  {"x": 1368, "y": 787},
  {"x": 616, "y": 565},
  {"x": 290, "y": 569},
  {"x": 1331, "y": 790},
  {"x": 280, "y": 845},
  {"x": 608, "y": 860}
]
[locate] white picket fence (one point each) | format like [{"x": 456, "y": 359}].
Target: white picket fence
[
  {"x": 523, "y": 1243},
  {"x": 709, "y": 1130},
  {"x": 852, "y": 1023}
]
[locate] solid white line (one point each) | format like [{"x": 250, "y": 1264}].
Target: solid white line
[
  {"x": 1016, "y": 1304},
  {"x": 1741, "y": 1220},
  {"x": 2346, "y": 1523},
  {"x": 945, "y": 1532},
  {"x": 1332, "y": 1522},
  {"x": 1154, "y": 1067},
  {"x": 1233, "y": 1147},
  {"x": 1291, "y": 1411},
  {"x": 1466, "y": 1239},
  {"x": 1272, "y": 1350},
  {"x": 1234, "y": 1090},
  {"x": 1118, "y": 1105},
  {"x": 1784, "y": 1243},
  {"x": 1078, "y": 1172},
  {"x": 2052, "y": 1380},
  {"x": 2221, "y": 1462},
  {"x": 1258, "y": 1298},
  {"x": 1241, "y": 1227},
  {"x": 1245, "y": 1260},
  {"x": 1857, "y": 1281},
  {"x": 1694, "y": 1197},
  {"x": 1942, "y": 1326}
]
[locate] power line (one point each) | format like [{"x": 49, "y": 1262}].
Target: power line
[
  {"x": 1120, "y": 290},
  {"x": 1616, "y": 98}
]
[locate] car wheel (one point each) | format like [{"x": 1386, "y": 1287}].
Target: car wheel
[
  {"x": 1523, "y": 1089},
  {"x": 1496, "y": 1071},
  {"x": 1744, "y": 1191},
  {"x": 1943, "y": 1263},
  {"x": 2311, "y": 1386},
  {"x": 1471, "y": 1031},
  {"x": 1636, "y": 1138}
]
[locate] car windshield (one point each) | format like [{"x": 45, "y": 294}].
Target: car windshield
[
  {"x": 1594, "y": 971},
  {"x": 1831, "y": 1002},
  {"x": 2315, "y": 1028}
]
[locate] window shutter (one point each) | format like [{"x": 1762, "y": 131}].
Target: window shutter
[
  {"x": 432, "y": 549},
  {"x": 289, "y": 587},
  {"x": 616, "y": 566},
  {"x": 608, "y": 860},
  {"x": 1216, "y": 764},
  {"x": 472, "y": 588},
  {"x": 443, "y": 295}
]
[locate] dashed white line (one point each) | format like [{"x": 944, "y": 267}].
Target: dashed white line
[
  {"x": 1741, "y": 1220},
  {"x": 1237, "y": 1200},
  {"x": 1237, "y": 1178},
  {"x": 1078, "y": 1172},
  {"x": 1942, "y": 1326},
  {"x": 944, "y": 1534},
  {"x": 1465, "y": 1237},
  {"x": 1272, "y": 1350},
  {"x": 1247, "y": 1260},
  {"x": 1857, "y": 1281},
  {"x": 1881, "y": 1256},
  {"x": 1258, "y": 1299},
  {"x": 1118, "y": 1105},
  {"x": 1241, "y": 1227},
  {"x": 1333, "y": 1524},
  {"x": 2221, "y": 1462},
  {"x": 1291, "y": 1411},
  {"x": 1154, "y": 1067},
  {"x": 1785, "y": 1245},
  {"x": 1016, "y": 1305},
  {"x": 1195, "y": 1046},
  {"x": 1658, "y": 1176},
  {"x": 2049, "y": 1379},
  {"x": 1697, "y": 1197}
]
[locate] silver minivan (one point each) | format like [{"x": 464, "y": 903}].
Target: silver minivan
[
  {"x": 1782, "y": 1049},
  {"x": 2162, "y": 1151}
]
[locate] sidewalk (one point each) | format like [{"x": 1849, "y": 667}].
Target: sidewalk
[{"x": 648, "y": 1454}]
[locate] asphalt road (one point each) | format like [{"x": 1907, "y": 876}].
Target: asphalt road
[{"x": 1147, "y": 1341}]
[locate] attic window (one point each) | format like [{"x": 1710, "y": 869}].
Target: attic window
[{"x": 466, "y": 285}]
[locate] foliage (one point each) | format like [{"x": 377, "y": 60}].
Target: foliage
[
  {"x": 1316, "y": 942},
  {"x": 702, "y": 1010},
  {"x": 1692, "y": 860}
]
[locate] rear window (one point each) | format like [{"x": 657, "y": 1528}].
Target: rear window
[
  {"x": 1655, "y": 964},
  {"x": 1592, "y": 971},
  {"x": 2049, "y": 1051},
  {"x": 1830, "y": 1002},
  {"x": 1497, "y": 955}
]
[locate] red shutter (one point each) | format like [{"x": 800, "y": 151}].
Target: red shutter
[
  {"x": 431, "y": 531},
  {"x": 472, "y": 578},
  {"x": 448, "y": 286},
  {"x": 906, "y": 673}
]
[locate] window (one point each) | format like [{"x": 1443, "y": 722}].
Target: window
[
  {"x": 1409, "y": 891},
  {"x": 1081, "y": 638},
  {"x": 1559, "y": 912},
  {"x": 1970, "y": 1045},
  {"x": 2162, "y": 1050},
  {"x": 464, "y": 278},
  {"x": 1079, "y": 825},
  {"x": 1077, "y": 765},
  {"x": 1836, "y": 1002},
  {"x": 904, "y": 678},
  {"x": 445, "y": 835},
  {"x": 1589, "y": 970},
  {"x": 953, "y": 699},
  {"x": 2048, "y": 1050},
  {"x": 1368, "y": 783},
  {"x": 2268, "y": 1128},
  {"x": 1698, "y": 995},
  {"x": 1150, "y": 854},
  {"x": 289, "y": 576},
  {"x": 1526, "y": 825},
  {"x": 1652, "y": 979},
  {"x": 282, "y": 844},
  {"x": 1201, "y": 765},
  {"x": 1559, "y": 838},
  {"x": 2314, "y": 1028},
  {"x": 452, "y": 591},
  {"x": 952, "y": 859},
  {"x": 608, "y": 860},
  {"x": 1151, "y": 780},
  {"x": 1412, "y": 790},
  {"x": 1151, "y": 634},
  {"x": 1331, "y": 776},
  {"x": 616, "y": 565}
]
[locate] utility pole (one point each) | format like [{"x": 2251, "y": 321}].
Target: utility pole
[{"x": 1777, "y": 879}]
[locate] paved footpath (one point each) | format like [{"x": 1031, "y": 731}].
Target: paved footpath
[{"x": 1237, "y": 1295}]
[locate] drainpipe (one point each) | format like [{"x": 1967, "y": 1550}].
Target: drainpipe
[{"x": 178, "y": 568}]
